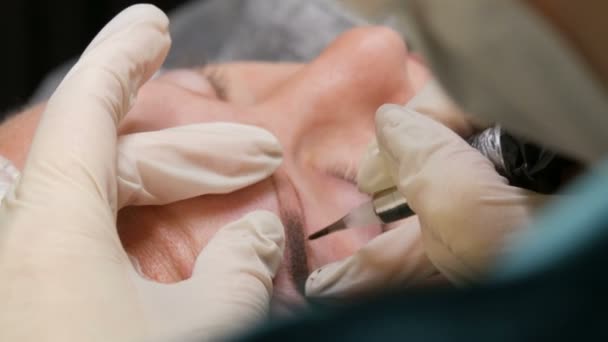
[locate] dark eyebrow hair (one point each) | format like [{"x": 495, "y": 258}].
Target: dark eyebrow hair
[{"x": 295, "y": 240}]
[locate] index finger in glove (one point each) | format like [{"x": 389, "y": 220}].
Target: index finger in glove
[
  {"x": 230, "y": 287},
  {"x": 174, "y": 164},
  {"x": 432, "y": 102},
  {"x": 75, "y": 143}
]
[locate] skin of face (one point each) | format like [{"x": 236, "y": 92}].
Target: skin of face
[{"x": 323, "y": 115}]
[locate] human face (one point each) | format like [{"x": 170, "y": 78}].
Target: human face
[{"x": 323, "y": 115}]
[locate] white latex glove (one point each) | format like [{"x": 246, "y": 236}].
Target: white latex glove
[
  {"x": 465, "y": 209},
  {"x": 65, "y": 275}
]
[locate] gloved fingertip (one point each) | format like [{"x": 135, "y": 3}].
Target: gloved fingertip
[
  {"x": 270, "y": 145},
  {"x": 407, "y": 137},
  {"x": 254, "y": 139},
  {"x": 372, "y": 175},
  {"x": 388, "y": 110},
  {"x": 156, "y": 168},
  {"x": 230, "y": 287},
  {"x": 257, "y": 237},
  {"x": 317, "y": 282},
  {"x": 267, "y": 224},
  {"x": 393, "y": 259},
  {"x": 128, "y": 17},
  {"x": 392, "y": 115},
  {"x": 322, "y": 281}
]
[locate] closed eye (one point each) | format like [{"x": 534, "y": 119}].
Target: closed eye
[{"x": 216, "y": 79}]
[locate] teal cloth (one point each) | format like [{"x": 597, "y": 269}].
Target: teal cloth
[{"x": 569, "y": 226}]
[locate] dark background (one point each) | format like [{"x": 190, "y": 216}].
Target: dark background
[{"x": 38, "y": 35}]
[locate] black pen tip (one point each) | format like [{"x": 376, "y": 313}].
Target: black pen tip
[
  {"x": 318, "y": 234},
  {"x": 334, "y": 227}
]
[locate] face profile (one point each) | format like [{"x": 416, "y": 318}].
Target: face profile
[{"x": 323, "y": 115}]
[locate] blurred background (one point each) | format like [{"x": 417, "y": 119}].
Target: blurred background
[{"x": 39, "y": 35}]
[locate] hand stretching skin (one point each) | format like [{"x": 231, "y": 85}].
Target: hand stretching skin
[
  {"x": 465, "y": 210},
  {"x": 65, "y": 275}
]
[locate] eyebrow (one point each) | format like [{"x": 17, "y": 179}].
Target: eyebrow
[{"x": 295, "y": 240}]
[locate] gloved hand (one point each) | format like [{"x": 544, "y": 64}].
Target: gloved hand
[
  {"x": 65, "y": 275},
  {"x": 466, "y": 211}
]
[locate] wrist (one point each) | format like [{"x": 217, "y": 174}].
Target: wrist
[{"x": 16, "y": 135}]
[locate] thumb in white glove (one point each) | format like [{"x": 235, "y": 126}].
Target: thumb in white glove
[
  {"x": 65, "y": 275},
  {"x": 465, "y": 209},
  {"x": 231, "y": 283}
]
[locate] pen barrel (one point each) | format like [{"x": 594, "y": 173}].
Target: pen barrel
[
  {"x": 524, "y": 164},
  {"x": 390, "y": 205}
]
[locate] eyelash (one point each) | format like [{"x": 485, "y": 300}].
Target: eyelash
[
  {"x": 217, "y": 80},
  {"x": 345, "y": 172}
]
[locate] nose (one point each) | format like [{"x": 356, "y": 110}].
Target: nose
[
  {"x": 361, "y": 70},
  {"x": 366, "y": 66}
]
